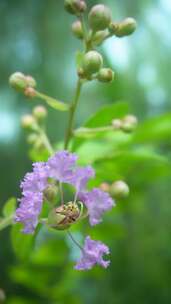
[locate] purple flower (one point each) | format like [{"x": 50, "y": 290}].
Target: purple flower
[
  {"x": 61, "y": 166},
  {"x": 97, "y": 202},
  {"x": 35, "y": 181},
  {"x": 92, "y": 254},
  {"x": 81, "y": 176},
  {"x": 29, "y": 210}
]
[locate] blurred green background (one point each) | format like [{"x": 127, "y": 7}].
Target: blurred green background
[{"x": 35, "y": 39}]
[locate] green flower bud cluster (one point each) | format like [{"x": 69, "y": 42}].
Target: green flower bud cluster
[
  {"x": 127, "y": 124},
  {"x": 92, "y": 68},
  {"x": 75, "y": 7},
  {"x": 98, "y": 28},
  {"x": 118, "y": 189},
  {"x": 23, "y": 83},
  {"x": 33, "y": 123},
  {"x": 123, "y": 28}
]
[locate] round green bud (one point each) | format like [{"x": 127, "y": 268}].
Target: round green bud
[
  {"x": 75, "y": 7},
  {"x": 50, "y": 193},
  {"x": 99, "y": 17},
  {"x": 113, "y": 27},
  {"x": 77, "y": 29},
  {"x": 31, "y": 82},
  {"x": 129, "y": 123},
  {"x": 18, "y": 81},
  {"x": 117, "y": 124},
  {"x": 105, "y": 75},
  {"x": 119, "y": 189},
  {"x": 92, "y": 62},
  {"x": 126, "y": 27},
  {"x": 99, "y": 37},
  {"x": 32, "y": 138},
  {"x": 30, "y": 92},
  {"x": 40, "y": 112},
  {"x": 27, "y": 121}
]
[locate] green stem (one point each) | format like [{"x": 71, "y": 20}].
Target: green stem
[
  {"x": 45, "y": 140},
  {"x": 72, "y": 112},
  {"x": 6, "y": 222},
  {"x": 74, "y": 241},
  {"x": 88, "y": 131}
]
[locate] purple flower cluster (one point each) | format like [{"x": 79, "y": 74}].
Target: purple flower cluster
[
  {"x": 92, "y": 254},
  {"x": 33, "y": 185},
  {"x": 62, "y": 168}
]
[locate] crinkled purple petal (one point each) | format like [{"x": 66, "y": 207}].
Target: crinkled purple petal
[
  {"x": 35, "y": 181},
  {"x": 61, "y": 166},
  {"x": 29, "y": 210},
  {"x": 81, "y": 176},
  {"x": 97, "y": 202},
  {"x": 92, "y": 254}
]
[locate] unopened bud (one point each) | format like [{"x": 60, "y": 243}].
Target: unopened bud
[
  {"x": 99, "y": 17},
  {"x": 31, "y": 82},
  {"x": 51, "y": 192},
  {"x": 75, "y": 7},
  {"x": 113, "y": 27},
  {"x": 40, "y": 112},
  {"x": 92, "y": 62},
  {"x": 18, "y": 81},
  {"x": 105, "y": 187},
  {"x": 117, "y": 124},
  {"x": 77, "y": 29},
  {"x": 27, "y": 121},
  {"x": 129, "y": 123},
  {"x": 126, "y": 27},
  {"x": 99, "y": 37},
  {"x": 32, "y": 138},
  {"x": 30, "y": 92},
  {"x": 119, "y": 189},
  {"x": 81, "y": 73},
  {"x": 105, "y": 75}
]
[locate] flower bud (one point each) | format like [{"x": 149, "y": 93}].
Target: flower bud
[
  {"x": 40, "y": 112},
  {"x": 119, "y": 189},
  {"x": 30, "y": 92},
  {"x": 27, "y": 121},
  {"x": 32, "y": 138},
  {"x": 99, "y": 37},
  {"x": 129, "y": 123},
  {"x": 18, "y": 81},
  {"x": 117, "y": 124},
  {"x": 77, "y": 29},
  {"x": 51, "y": 192},
  {"x": 75, "y": 7},
  {"x": 126, "y": 27},
  {"x": 31, "y": 82},
  {"x": 105, "y": 187},
  {"x": 99, "y": 17},
  {"x": 105, "y": 75},
  {"x": 92, "y": 62}
]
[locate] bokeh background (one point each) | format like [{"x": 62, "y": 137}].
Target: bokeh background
[{"x": 35, "y": 39}]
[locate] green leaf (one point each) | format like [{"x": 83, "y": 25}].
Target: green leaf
[
  {"x": 22, "y": 243},
  {"x": 9, "y": 207},
  {"x": 106, "y": 114},
  {"x": 137, "y": 165},
  {"x": 53, "y": 103},
  {"x": 155, "y": 129}
]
